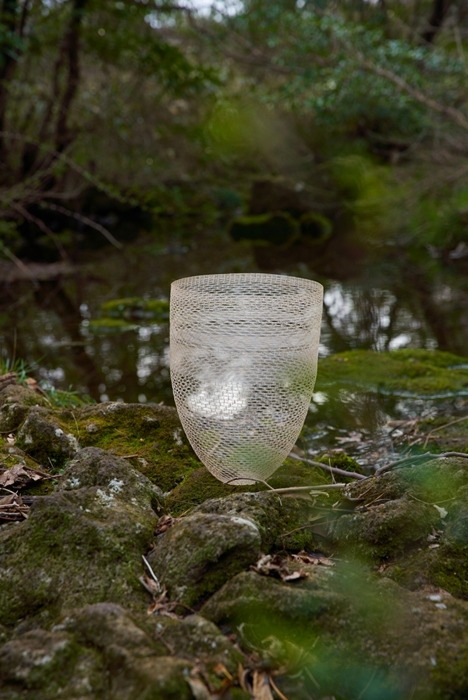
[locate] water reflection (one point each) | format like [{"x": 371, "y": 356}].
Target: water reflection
[
  {"x": 386, "y": 306},
  {"x": 370, "y": 318}
]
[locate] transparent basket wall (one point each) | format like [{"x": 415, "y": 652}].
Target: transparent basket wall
[{"x": 243, "y": 357}]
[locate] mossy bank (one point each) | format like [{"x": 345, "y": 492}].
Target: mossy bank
[{"x": 360, "y": 592}]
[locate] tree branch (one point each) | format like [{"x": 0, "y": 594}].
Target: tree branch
[{"x": 455, "y": 115}]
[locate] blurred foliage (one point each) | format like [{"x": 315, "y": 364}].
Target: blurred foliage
[{"x": 355, "y": 100}]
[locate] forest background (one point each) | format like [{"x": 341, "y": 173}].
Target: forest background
[{"x": 174, "y": 110}]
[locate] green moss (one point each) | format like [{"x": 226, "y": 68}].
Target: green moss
[
  {"x": 436, "y": 481},
  {"x": 15, "y": 402},
  {"x": 110, "y": 325},
  {"x": 62, "y": 532},
  {"x": 315, "y": 228},
  {"x": 399, "y": 372},
  {"x": 293, "y": 472},
  {"x": 384, "y": 530},
  {"x": 45, "y": 662},
  {"x": 444, "y": 566},
  {"x": 197, "y": 487},
  {"x": 137, "y": 308},
  {"x": 149, "y": 436},
  {"x": 449, "y": 571},
  {"x": 46, "y": 439},
  {"x": 278, "y": 228},
  {"x": 340, "y": 460},
  {"x": 445, "y": 433},
  {"x": 300, "y": 532}
]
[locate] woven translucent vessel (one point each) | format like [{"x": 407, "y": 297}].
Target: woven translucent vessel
[{"x": 243, "y": 357}]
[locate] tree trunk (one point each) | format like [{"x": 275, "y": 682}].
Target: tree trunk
[
  {"x": 10, "y": 25},
  {"x": 70, "y": 50},
  {"x": 65, "y": 81},
  {"x": 439, "y": 12}
]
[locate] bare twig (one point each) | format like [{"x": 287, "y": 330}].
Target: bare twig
[
  {"x": 153, "y": 575},
  {"x": 441, "y": 427},
  {"x": 19, "y": 264},
  {"x": 86, "y": 221},
  {"x": 426, "y": 457},
  {"x": 455, "y": 115},
  {"x": 311, "y": 488},
  {"x": 328, "y": 468},
  {"x": 42, "y": 227}
]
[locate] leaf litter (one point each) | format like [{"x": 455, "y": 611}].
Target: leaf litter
[
  {"x": 284, "y": 567},
  {"x": 12, "y": 506}
]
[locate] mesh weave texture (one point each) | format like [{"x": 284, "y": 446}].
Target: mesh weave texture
[{"x": 243, "y": 357}]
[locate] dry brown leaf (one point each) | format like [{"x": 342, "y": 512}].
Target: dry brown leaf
[
  {"x": 164, "y": 523},
  {"x": 243, "y": 677},
  {"x": 160, "y": 604},
  {"x": 14, "y": 475},
  {"x": 152, "y": 586},
  {"x": 261, "y": 689},
  {"x": 19, "y": 475},
  {"x": 312, "y": 559},
  {"x": 281, "y": 695},
  {"x": 33, "y": 384},
  {"x": 275, "y": 565},
  {"x": 7, "y": 500},
  {"x": 12, "y": 508},
  {"x": 221, "y": 670},
  {"x": 199, "y": 689},
  {"x": 256, "y": 683}
]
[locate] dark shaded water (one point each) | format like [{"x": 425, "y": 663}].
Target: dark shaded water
[{"x": 378, "y": 303}]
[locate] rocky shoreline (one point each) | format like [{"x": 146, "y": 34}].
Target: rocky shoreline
[{"x": 127, "y": 571}]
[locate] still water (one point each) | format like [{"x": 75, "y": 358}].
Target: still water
[{"x": 382, "y": 302}]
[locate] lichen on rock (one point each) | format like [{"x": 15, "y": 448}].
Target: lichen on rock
[
  {"x": 202, "y": 551},
  {"x": 81, "y": 544}
]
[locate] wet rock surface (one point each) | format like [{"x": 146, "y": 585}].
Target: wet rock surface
[{"x": 127, "y": 571}]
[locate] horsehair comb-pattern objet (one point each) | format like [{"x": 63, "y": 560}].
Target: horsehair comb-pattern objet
[{"x": 243, "y": 357}]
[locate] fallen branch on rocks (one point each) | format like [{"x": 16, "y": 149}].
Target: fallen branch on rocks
[
  {"x": 12, "y": 507},
  {"x": 316, "y": 489}
]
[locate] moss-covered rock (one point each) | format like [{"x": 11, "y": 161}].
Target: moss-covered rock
[
  {"x": 278, "y": 228},
  {"x": 137, "y": 308},
  {"x": 197, "y": 637},
  {"x": 249, "y": 596},
  {"x": 82, "y": 544},
  {"x": 199, "y": 485},
  {"x": 202, "y": 551},
  {"x": 349, "y": 630},
  {"x": 401, "y": 372},
  {"x": 358, "y": 593},
  {"x": 43, "y": 438},
  {"x": 52, "y": 665},
  {"x": 284, "y": 523},
  {"x": 316, "y": 228},
  {"x": 196, "y": 487},
  {"x": 42, "y": 664},
  {"x": 149, "y": 436},
  {"x": 15, "y": 403},
  {"x": 108, "y": 324},
  {"x": 384, "y": 529}
]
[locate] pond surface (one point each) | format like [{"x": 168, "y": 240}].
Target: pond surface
[{"x": 383, "y": 302}]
